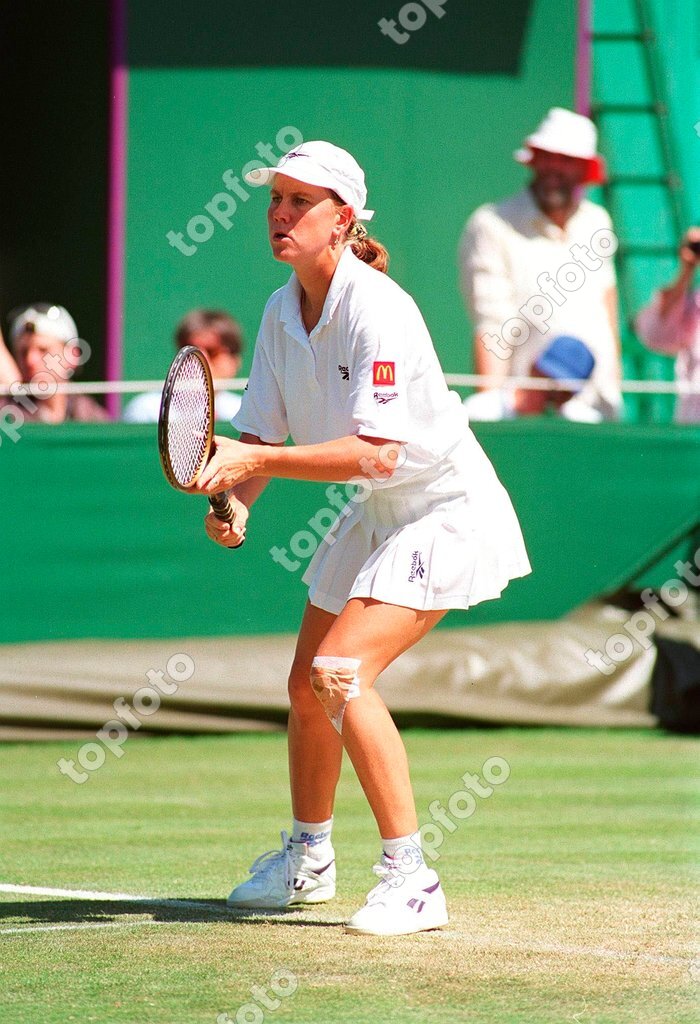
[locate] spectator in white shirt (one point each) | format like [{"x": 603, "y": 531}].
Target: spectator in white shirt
[
  {"x": 539, "y": 264},
  {"x": 220, "y": 338}
]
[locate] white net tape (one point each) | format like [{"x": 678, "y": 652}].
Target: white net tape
[{"x": 120, "y": 387}]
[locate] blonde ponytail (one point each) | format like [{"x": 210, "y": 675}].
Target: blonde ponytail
[{"x": 367, "y": 249}]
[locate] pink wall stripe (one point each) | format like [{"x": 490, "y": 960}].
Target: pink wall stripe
[
  {"x": 116, "y": 227},
  {"x": 582, "y": 98}
]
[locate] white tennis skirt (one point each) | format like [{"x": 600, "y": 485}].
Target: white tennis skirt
[{"x": 424, "y": 545}]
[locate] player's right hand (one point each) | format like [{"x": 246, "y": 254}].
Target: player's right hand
[{"x": 223, "y": 534}]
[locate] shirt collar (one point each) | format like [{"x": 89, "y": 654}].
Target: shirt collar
[{"x": 290, "y": 313}]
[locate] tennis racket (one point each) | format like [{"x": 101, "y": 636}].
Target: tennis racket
[{"x": 186, "y": 426}]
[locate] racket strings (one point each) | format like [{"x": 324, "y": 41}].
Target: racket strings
[{"x": 188, "y": 422}]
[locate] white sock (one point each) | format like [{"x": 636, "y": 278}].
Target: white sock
[
  {"x": 316, "y": 835},
  {"x": 406, "y": 850}
]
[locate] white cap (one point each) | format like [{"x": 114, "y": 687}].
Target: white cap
[
  {"x": 563, "y": 131},
  {"x": 325, "y": 165},
  {"x": 43, "y": 318}
]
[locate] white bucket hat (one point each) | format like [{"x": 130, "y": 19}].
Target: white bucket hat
[
  {"x": 563, "y": 131},
  {"x": 44, "y": 318},
  {"x": 322, "y": 164}
]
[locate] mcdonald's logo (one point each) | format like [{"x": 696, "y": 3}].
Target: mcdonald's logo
[{"x": 384, "y": 373}]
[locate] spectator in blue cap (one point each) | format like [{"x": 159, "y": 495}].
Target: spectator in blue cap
[{"x": 566, "y": 359}]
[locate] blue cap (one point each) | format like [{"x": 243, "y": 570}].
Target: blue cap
[{"x": 566, "y": 358}]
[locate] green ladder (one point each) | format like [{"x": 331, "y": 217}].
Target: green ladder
[{"x": 644, "y": 192}]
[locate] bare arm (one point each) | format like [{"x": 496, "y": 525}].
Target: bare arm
[
  {"x": 236, "y": 462},
  {"x": 337, "y": 460},
  {"x": 676, "y": 292},
  {"x": 244, "y": 468},
  {"x": 242, "y": 497},
  {"x": 250, "y": 490},
  {"x": 611, "y": 307}
]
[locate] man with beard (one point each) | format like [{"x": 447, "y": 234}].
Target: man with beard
[{"x": 539, "y": 264}]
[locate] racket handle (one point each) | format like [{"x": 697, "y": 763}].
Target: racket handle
[{"x": 223, "y": 510}]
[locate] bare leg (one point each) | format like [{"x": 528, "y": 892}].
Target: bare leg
[
  {"x": 377, "y": 633},
  {"x": 315, "y": 748}
]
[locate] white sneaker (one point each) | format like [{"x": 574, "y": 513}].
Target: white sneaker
[
  {"x": 286, "y": 878},
  {"x": 402, "y": 903}
]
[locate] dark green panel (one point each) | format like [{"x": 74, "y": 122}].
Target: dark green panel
[
  {"x": 440, "y": 35},
  {"x": 122, "y": 555}
]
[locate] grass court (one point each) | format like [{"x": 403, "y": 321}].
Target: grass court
[{"x": 570, "y": 887}]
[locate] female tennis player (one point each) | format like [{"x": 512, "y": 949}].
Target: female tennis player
[{"x": 345, "y": 365}]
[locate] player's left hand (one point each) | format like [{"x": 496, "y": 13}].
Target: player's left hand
[{"x": 231, "y": 464}]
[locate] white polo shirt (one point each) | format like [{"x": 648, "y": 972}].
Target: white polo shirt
[{"x": 368, "y": 367}]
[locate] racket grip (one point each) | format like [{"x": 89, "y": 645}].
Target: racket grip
[{"x": 223, "y": 510}]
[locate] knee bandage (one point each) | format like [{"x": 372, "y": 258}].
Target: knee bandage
[{"x": 335, "y": 682}]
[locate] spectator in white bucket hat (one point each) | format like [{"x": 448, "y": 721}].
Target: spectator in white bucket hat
[
  {"x": 569, "y": 134},
  {"x": 539, "y": 264}
]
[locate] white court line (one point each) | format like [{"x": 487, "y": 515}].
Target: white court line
[
  {"x": 115, "y": 897},
  {"x": 76, "y": 927},
  {"x": 88, "y": 894}
]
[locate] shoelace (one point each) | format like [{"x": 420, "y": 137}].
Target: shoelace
[
  {"x": 390, "y": 878},
  {"x": 266, "y": 862}
]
